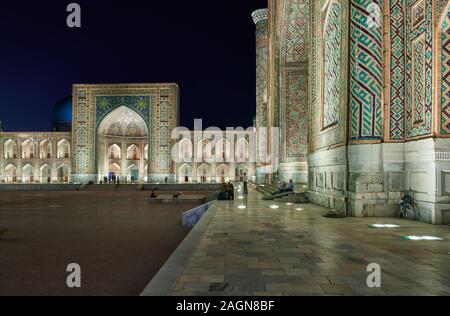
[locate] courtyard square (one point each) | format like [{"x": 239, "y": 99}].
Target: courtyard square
[{"x": 119, "y": 239}]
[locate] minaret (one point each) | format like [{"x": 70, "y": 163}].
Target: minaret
[{"x": 260, "y": 17}]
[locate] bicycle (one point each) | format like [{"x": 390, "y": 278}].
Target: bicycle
[{"x": 409, "y": 209}]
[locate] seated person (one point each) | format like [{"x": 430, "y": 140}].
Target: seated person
[
  {"x": 283, "y": 188},
  {"x": 224, "y": 194},
  {"x": 154, "y": 196},
  {"x": 290, "y": 187}
]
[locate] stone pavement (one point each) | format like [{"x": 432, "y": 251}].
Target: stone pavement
[{"x": 288, "y": 251}]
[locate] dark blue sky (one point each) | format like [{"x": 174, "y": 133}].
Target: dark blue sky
[{"x": 207, "y": 47}]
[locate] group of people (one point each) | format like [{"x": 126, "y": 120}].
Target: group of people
[
  {"x": 228, "y": 189},
  {"x": 112, "y": 179},
  {"x": 285, "y": 187}
]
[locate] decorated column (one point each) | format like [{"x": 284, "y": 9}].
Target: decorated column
[
  {"x": 260, "y": 17},
  {"x": 366, "y": 70}
]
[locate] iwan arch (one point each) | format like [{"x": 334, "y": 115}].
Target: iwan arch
[
  {"x": 361, "y": 92},
  {"x": 124, "y": 131}
]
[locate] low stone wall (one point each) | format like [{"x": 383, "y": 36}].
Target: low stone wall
[
  {"x": 192, "y": 217},
  {"x": 39, "y": 187},
  {"x": 183, "y": 187},
  {"x": 164, "y": 281}
]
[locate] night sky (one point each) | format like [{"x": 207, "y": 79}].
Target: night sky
[{"x": 206, "y": 46}]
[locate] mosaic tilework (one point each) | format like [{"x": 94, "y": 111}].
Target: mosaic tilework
[
  {"x": 418, "y": 81},
  {"x": 366, "y": 74},
  {"x": 336, "y": 134},
  {"x": 294, "y": 38},
  {"x": 332, "y": 66},
  {"x": 419, "y": 63},
  {"x": 397, "y": 70},
  {"x": 140, "y": 103},
  {"x": 445, "y": 73},
  {"x": 441, "y": 5},
  {"x": 296, "y": 114},
  {"x": 293, "y": 109},
  {"x": 261, "y": 72},
  {"x": 273, "y": 58},
  {"x": 156, "y": 103}
]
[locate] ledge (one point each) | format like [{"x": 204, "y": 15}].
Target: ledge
[{"x": 164, "y": 281}]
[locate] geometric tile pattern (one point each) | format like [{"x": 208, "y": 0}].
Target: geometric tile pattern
[
  {"x": 296, "y": 114},
  {"x": 261, "y": 72},
  {"x": 156, "y": 103},
  {"x": 419, "y": 68},
  {"x": 418, "y": 82},
  {"x": 332, "y": 66},
  {"x": 293, "y": 87},
  {"x": 397, "y": 71},
  {"x": 445, "y": 71},
  {"x": 335, "y": 134},
  {"x": 295, "y": 31},
  {"x": 366, "y": 78}
]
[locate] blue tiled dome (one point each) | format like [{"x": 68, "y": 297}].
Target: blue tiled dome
[{"x": 62, "y": 115}]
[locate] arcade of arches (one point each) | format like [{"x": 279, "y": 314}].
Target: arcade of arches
[
  {"x": 360, "y": 90},
  {"x": 35, "y": 157}
]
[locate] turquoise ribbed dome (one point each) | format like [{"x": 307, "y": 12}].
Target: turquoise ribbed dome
[{"x": 62, "y": 115}]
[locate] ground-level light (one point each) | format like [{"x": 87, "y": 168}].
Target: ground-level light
[
  {"x": 384, "y": 226},
  {"x": 274, "y": 207},
  {"x": 425, "y": 238},
  {"x": 242, "y": 207}
]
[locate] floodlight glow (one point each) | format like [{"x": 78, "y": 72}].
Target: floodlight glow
[
  {"x": 299, "y": 209},
  {"x": 431, "y": 238},
  {"x": 289, "y": 204},
  {"x": 274, "y": 207},
  {"x": 426, "y": 238},
  {"x": 241, "y": 198},
  {"x": 384, "y": 226},
  {"x": 242, "y": 207}
]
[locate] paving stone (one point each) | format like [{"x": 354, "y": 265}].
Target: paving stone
[{"x": 260, "y": 251}]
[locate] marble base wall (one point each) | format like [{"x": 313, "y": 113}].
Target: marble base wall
[
  {"x": 369, "y": 180},
  {"x": 327, "y": 178},
  {"x": 427, "y": 165},
  {"x": 297, "y": 171},
  {"x": 376, "y": 179}
]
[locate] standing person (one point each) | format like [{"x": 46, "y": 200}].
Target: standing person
[
  {"x": 224, "y": 193},
  {"x": 231, "y": 191},
  {"x": 166, "y": 180},
  {"x": 245, "y": 183}
]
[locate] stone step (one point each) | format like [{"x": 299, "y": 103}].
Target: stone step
[
  {"x": 111, "y": 187},
  {"x": 293, "y": 198}
]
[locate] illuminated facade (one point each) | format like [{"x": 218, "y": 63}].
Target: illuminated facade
[
  {"x": 360, "y": 92},
  {"x": 117, "y": 131},
  {"x": 122, "y": 133},
  {"x": 214, "y": 158},
  {"x": 35, "y": 157}
]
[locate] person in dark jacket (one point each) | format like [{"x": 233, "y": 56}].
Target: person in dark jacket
[{"x": 231, "y": 191}]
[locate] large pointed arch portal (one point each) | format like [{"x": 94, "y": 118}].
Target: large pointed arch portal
[{"x": 119, "y": 130}]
